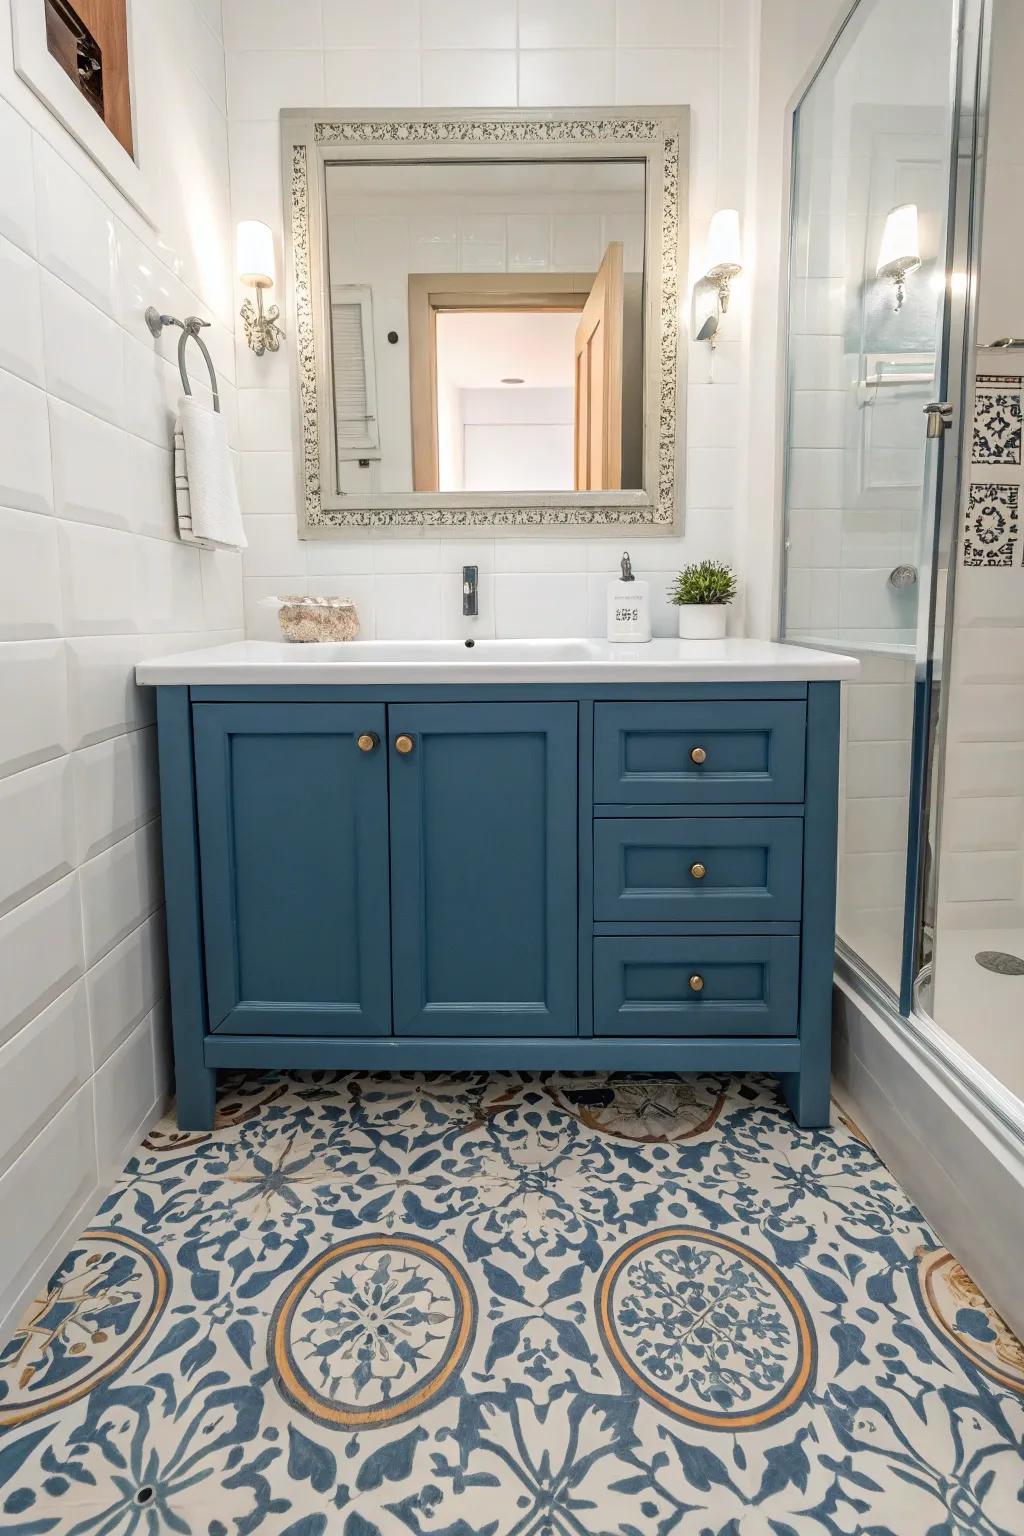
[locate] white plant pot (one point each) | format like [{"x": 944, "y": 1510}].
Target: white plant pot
[{"x": 702, "y": 621}]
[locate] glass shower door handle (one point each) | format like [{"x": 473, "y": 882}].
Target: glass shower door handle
[{"x": 940, "y": 417}]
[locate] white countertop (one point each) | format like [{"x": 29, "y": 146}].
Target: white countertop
[{"x": 263, "y": 662}]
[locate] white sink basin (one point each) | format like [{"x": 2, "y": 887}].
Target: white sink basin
[{"x": 432, "y": 653}]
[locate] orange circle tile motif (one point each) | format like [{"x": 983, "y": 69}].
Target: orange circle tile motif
[
  {"x": 98, "y": 1310},
  {"x": 964, "y": 1317},
  {"x": 645, "y": 1108},
  {"x": 372, "y": 1331},
  {"x": 709, "y": 1330}
]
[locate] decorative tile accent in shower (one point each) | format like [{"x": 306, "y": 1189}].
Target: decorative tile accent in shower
[
  {"x": 992, "y": 525},
  {"x": 997, "y": 419},
  {"x": 500, "y": 1304}
]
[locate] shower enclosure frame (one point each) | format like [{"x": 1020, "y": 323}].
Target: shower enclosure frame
[
  {"x": 939, "y": 537},
  {"x": 939, "y": 545}
]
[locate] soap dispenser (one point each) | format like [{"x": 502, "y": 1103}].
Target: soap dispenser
[{"x": 629, "y": 606}]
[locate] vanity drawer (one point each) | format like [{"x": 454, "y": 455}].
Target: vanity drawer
[
  {"x": 695, "y": 986},
  {"x": 723, "y": 751},
  {"x": 689, "y": 868}
]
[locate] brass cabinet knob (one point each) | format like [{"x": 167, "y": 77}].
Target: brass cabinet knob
[
  {"x": 696, "y": 983},
  {"x": 698, "y": 755},
  {"x": 367, "y": 741},
  {"x": 698, "y": 871},
  {"x": 404, "y": 744}
]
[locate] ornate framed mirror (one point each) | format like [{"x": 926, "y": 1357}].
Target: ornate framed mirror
[{"x": 485, "y": 319}]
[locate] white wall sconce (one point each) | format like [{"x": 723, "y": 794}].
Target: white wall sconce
[
  {"x": 900, "y": 252},
  {"x": 254, "y": 248},
  {"x": 724, "y": 263},
  {"x": 723, "y": 253}
]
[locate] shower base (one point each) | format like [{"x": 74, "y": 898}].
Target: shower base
[{"x": 982, "y": 1009}]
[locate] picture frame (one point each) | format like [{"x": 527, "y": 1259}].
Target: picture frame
[{"x": 37, "y": 67}]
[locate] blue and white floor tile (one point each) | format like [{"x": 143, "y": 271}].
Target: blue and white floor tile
[{"x": 510, "y": 1306}]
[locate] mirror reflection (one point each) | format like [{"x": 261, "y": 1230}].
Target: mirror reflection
[{"x": 486, "y": 324}]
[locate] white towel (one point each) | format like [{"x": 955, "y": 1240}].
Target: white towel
[{"x": 209, "y": 513}]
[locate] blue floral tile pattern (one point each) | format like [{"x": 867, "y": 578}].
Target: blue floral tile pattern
[
  {"x": 98, "y": 1311},
  {"x": 504, "y": 1305},
  {"x": 707, "y": 1328},
  {"x": 372, "y": 1330},
  {"x": 963, "y": 1317}
]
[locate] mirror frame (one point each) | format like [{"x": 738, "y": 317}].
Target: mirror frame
[{"x": 659, "y": 137}]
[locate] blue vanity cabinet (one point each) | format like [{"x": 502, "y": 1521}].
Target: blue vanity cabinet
[
  {"x": 614, "y": 877},
  {"x": 293, "y": 837},
  {"x": 483, "y": 868}
]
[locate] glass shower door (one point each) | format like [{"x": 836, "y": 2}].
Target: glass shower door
[{"x": 874, "y": 348}]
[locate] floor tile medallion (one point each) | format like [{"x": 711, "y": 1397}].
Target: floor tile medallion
[
  {"x": 372, "y": 1330},
  {"x": 96, "y": 1314},
  {"x": 501, "y": 1305},
  {"x": 962, "y": 1315}
]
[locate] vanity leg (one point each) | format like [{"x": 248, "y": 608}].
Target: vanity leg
[
  {"x": 807, "y": 1091},
  {"x": 196, "y": 1082},
  {"x": 195, "y": 1099}
]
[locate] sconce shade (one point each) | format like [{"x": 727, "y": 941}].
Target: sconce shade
[
  {"x": 723, "y": 249},
  {"x": 900, "y": 241},
  {"x": 254, "y": 253}
]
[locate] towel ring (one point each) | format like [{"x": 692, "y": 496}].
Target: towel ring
[{"x": 190, "y": 328}]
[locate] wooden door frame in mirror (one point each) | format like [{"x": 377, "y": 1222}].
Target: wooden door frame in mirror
[
  {"x": 430, "y": 292},
  {"x": 659, "y": 136}
]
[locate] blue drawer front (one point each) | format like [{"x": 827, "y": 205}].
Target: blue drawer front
[
  {"x": 748, "y": 986},
  {"x": 648, "y": 869},
  {"x": 753, "y": 752}
]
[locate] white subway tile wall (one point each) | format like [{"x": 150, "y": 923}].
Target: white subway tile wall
[
  {"x": 981, "y": 871},
  {"x": 981, "y": 868},
  {"x": 92, "y": 579},
  {"x": 485, "y": 53}
]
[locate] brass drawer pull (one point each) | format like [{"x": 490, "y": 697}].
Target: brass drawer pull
[
  {"x": 698, "y": 871},
  {"x": 368, "y": 741},
  {"x": 404, "y": 744},
  {"x": 698, "y": 756},
  {"x": 696, "y": 983}
]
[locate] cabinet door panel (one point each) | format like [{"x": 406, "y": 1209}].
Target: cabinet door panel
[
  {"x": 293, "y": 840},
  {"x": 483, "y": 869}
]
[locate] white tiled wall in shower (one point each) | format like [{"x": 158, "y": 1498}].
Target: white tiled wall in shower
[
  {"x": 982, "y": 826},
  {"x": 92, "y": 579},
  {"x": 856, "y": 459},
  {"x": 485, "y": 53},
  {"x": 982, "y": 829}
]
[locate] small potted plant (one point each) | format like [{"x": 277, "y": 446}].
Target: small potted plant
[{"x": 702, "y": 593}]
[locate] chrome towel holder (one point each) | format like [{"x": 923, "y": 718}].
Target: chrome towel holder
[{"x": 190, "y": 328}]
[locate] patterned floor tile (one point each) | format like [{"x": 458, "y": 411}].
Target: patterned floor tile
[{"x": 510, "y": 1305}]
